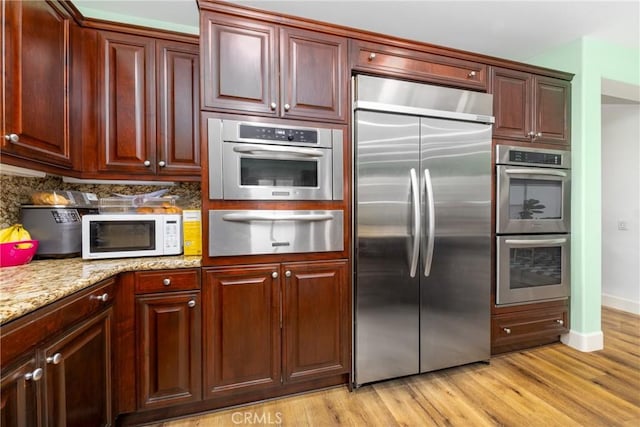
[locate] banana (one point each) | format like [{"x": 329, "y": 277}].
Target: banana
[{"x": 15, "y": 233}]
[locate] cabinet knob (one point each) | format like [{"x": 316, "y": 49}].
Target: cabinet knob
[
  {"x": 506, "y": 331},
  {"x": 531, "y": 134},
  {"x": 372, "y": 56},
  {"x": 560, "y": 322},
  {"x": 166, "y": 281},
  {"x": 55, "y": 359},
  {"x": 287, "y": 107},
  {"x": 162, "y": 163},
  {"x": 146, "y": 163},
  {"x": 104, "y": 297},
  {"x": 472, "y": 74},
  {"x": 274, "y": 274},
  {"x": 287, "y": 273},
  {"x": 36, "y": 375},
  {"x": 12, "y": 137},
  {"x": 539, "y": 135},
  {"x": 273, "y": 106},
  {"x": 192, "y": 303}
]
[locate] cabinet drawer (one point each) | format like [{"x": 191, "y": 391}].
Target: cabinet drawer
[
  {"x": 417, "y": 65},
  {"x": 167, "y": 280},
  {"x": 529, "y": 325}
]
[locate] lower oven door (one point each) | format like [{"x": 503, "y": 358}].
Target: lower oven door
[
  {"x": 532, "y": 268},
  {"x": 533, "y": 200},
  {"x": 254, "y": 232}
]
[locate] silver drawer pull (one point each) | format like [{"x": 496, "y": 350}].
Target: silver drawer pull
[
  {"x": 104, "y": 297},
  {"x": 560, "y": 322},
  {"x": 55, "y": 359},
  {"x": 166, "y": 282},
  {"x": 192, "y": 303},
  {"x": 507, "y": 331},
  {"x": 36, "y": 375}
]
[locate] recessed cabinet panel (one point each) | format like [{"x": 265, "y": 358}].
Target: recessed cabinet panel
[
  {"x": 36, "y": 82},
  {"x": 552, "y": 106},
  {"x": 20, "y": 395},
  {"x": 512, "y": 104}
]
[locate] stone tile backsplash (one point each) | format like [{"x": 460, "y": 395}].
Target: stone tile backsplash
[{"x": 16, "y": 190}]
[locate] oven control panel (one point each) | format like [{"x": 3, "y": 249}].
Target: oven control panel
[
  {"x": 532, "y": 156},
  {"x": 269, "y": 133},
  {"x": 535, "y": 158}
]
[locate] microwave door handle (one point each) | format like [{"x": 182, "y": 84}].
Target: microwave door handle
[
  {"x": 431, "y": 224},
  {"x": 527, "y": 242},
  {"x": 292, "y": 151},
  {"x": 248, "y": 217},
  {"x": 415, "y": 197},
  {"x": 541, "y": 171}
]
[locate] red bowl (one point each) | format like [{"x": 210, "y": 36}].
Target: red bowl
[{"x": 17, "y": 253}]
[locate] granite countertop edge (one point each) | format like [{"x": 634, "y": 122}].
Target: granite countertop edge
[{"x": 26, "y": 288}]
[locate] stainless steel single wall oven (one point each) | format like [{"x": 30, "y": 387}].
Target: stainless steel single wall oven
[
  {"x": 259, "y": 161},
  {"x": 533, "y": 211}
]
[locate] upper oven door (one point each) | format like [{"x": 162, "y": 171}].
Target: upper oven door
[
  {"x": 275, "y": 172},
  {"x": 532, "y": 200}
]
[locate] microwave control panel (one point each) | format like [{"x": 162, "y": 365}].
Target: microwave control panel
[{"x": 269, "y": 133}]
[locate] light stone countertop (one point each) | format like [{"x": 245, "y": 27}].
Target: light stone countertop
[{"x": 25, "y": 288}]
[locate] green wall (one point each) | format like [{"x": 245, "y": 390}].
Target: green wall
[{"x": 590, "y": 60}]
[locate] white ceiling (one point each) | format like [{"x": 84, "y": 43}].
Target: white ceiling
[{"x": 513, "y": 29}]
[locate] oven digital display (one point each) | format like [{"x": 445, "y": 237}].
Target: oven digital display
[
  {"x": 535, "y": 158},
  {"x": 268, "y": 133}
]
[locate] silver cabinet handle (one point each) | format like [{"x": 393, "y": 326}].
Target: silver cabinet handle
[
  {"x": 372, "y": 56},
  {"x": 12, "y": 137},
  {"x": 539, "y": 171},
  {"x": 162, "y": 163},
  {"x": 146, "y": 163},
  {"x": 506, "y": 331},
  {"x": 283, "y": 150},
  {"x": 287, "y": 273},
  {"x": 166, "y": 281},
  {"x": 415, "y": 252},
  {"x": 273, "y": 105},
  {"x": 431, "y": 212},
  {"x": 560, "y": 322},
  {"x": 472, "y": 74},
  {"x": 246, "y": 217},
  {"x": 36, "y": 375},
  {"x": 191, "y": 303},
  {"x": 274, "y": 274},
  {"x": 287, "y": 107},
  {"x": 104, "y": 297},
  {"x": 55, "y": 359}
]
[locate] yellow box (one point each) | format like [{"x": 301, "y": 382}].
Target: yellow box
[{"x": 192, "y": 231}]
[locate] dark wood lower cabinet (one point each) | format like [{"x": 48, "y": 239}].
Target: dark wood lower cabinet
[
  {"x": 77, "y": 375},
  {"x": 168, "y": 340},
  {"x": 20, "y": 399}
]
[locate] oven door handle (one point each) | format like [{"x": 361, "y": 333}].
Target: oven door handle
[
  {"x": 292, "y": 151},
  {"x": 530, "y": 242},
  {"x": 536, "y": 172},
  {"x": 248, "y": 217}
]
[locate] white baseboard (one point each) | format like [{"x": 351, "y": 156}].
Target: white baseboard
[
  {"x": 593, "y": 341},
  {"x": 624, "y": 304}
]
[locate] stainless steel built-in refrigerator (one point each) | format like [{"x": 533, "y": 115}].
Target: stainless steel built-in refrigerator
[{"x": 422, "y": 232}]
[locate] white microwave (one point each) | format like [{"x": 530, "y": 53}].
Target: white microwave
[{"x": 131, "y": 235}]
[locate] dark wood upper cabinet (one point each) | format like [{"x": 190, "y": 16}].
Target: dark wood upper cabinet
[
  {"x": 261, "y": 68},
  {"x": 241, "y": 330},
  {"x": 317, "y": 318},
  {"x": 35, "y": 87},
  {"x": 78, "y": 375},
  {"x": 20, "y": 397},
  {"x": 529, "y": 107}
]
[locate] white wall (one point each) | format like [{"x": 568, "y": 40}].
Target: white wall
[{"x": 621, "y": 202}]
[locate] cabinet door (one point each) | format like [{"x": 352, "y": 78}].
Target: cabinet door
[
  {"x": 20, "y": 402},
  {"x": 239, "y": 64},
  {"x": 314, "y": 75},
  {"x": 178, "y": 135},
  {"x": 168, "y": 329},
  {"x": 512, "y": 104},
  {"x": 35, "y": 120},
  {"x": 552, "y": 110},
  {"x": 317, "y": 320},
  {"x": 128, "y": 108},
  {"x": 241, "y": 329},
  {"x": 78, "y": 375}
]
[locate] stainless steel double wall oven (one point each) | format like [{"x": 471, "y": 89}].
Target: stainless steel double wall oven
[{"x": 533, "y": 211}]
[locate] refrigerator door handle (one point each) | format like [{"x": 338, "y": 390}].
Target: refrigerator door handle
[
  {"x": 431, "y": 223},
  {"x": 416, "y": 222}
]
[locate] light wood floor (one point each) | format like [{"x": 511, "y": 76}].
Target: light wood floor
[{"x": 548, "y": 386}]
